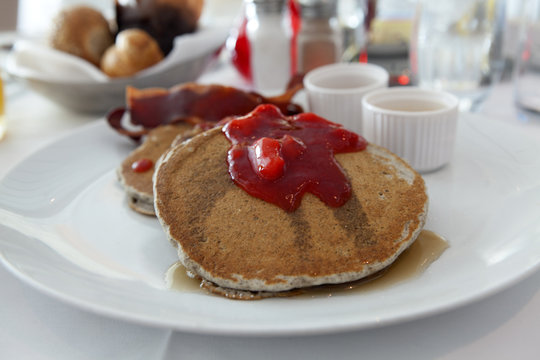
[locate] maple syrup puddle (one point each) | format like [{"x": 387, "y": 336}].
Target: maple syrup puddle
[{"x": 427, "y": 248}]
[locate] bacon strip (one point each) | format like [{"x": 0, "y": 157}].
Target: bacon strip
[{"x": 192, "y": 103}]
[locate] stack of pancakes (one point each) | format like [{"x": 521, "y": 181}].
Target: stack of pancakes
[
  {"x": 138, "y": 185},
  {"x": 241, "y": 244}
]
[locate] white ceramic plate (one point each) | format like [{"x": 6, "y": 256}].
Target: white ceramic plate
[{"x": 66, "y": 229}]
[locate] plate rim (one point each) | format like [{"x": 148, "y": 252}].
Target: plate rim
[{"x": 218, "y": 330}]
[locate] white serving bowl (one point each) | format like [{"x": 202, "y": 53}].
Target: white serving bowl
[{"x": 79, "y": 86}]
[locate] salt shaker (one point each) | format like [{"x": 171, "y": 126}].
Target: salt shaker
[
  {"x": 319, "y": 41},
  {"x": 269, "y": 33}
]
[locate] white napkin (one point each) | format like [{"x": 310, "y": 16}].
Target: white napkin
[{"x": 35, "y": 60}]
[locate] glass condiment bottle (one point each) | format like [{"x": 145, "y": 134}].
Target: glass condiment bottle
[
  {"x": 319, "y": 40},
  {"x": 354, "y": 17},
  {"x": 269, "y": 33}
]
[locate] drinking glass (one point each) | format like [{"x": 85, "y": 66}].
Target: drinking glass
[
  {"x": 456, "y": 46},
  {"x": 527, "y": 62},
  {"x": 2, "y": 123}
]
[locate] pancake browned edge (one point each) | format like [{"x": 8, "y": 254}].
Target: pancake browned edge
[
  {"x": 138, "y": 185},
  {"x": 237, "y": 241}
]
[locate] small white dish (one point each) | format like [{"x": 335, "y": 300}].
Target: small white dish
[
  {"x": 79, "y": 86},
  {"x": 335, "y": 91},
  {"x": 416, "y": 124}
]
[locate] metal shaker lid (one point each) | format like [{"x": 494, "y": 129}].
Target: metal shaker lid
[
  {"x": 268, "y": 6},
  {"x": 318, "y": 9}
]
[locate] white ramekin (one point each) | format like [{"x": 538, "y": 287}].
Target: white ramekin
[
  {"x": 335, "y": 91},
  {"x": 416, "y": 124}
]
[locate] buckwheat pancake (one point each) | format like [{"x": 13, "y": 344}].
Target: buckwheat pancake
[
  {"x": 237, "y": 241},
  {"x": 138, "y": 185}
]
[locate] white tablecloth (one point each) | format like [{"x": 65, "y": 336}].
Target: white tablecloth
[{"x": 505, "y": 325}]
